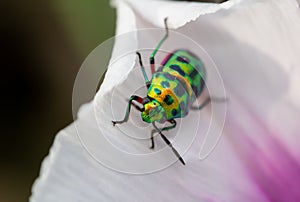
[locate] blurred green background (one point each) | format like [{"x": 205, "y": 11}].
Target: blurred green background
[{"x": 43, "y": 44}]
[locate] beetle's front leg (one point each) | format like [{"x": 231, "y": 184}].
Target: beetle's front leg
[
  {"x": 172, "y": 121},
  {"x": 168, "y": 143},
  {"x": 132, "y": 98}
]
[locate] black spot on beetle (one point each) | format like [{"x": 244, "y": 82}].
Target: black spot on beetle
[
  {"x": 183, "y": 59},
  {"x": 157, "y": 91},
  {"x": 174, "y": 112},
  {"x": 200, "y": 69},
  {"x": 195, "y": 90},
  {"x": 178, "y": 69},
  {"x": 168, "y": 100},
  {"x": 165, "y": 84},
  {"x": 202, "y": 85},
  {"x": 193, "y": 74}
]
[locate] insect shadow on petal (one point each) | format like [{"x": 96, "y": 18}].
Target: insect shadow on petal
[{"x": 172, "y": 90}]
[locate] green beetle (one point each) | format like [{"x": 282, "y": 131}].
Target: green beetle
[{"x": 172, "y": 90}]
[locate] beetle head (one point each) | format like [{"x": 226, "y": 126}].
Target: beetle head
[{"x": 152, "y": 111}]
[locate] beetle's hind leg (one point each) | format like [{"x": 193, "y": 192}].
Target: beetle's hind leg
[
  {"x": 172, "y": 121},
  {"x": 208, "y": 101},
  {"x": 152, "y": 57},
  {"x": 143, "y": 70}
]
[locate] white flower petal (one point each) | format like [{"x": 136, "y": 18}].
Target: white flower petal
[
  {"x": 254, "y": 47},
  {"x": 178, "y": 13}
]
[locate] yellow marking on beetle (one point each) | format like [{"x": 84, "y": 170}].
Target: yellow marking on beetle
[{"x": 160, "y": 98}]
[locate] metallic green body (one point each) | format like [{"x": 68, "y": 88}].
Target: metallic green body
[{"x": 176, "y": 85}]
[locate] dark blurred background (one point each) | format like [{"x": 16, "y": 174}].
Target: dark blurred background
[{"x": 43, "y": 44}]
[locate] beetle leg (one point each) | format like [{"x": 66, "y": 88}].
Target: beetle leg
[
  {"x": 132, "y": 98},
  {"x": 143, "y": 70},
  {"x": 172, "y": 121},
  {"x": 169, "y": 144},
  {"x": 152, "y": 60},
  {"x": 137, "y": 107},
  {"x": 207, "y": 101}
]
